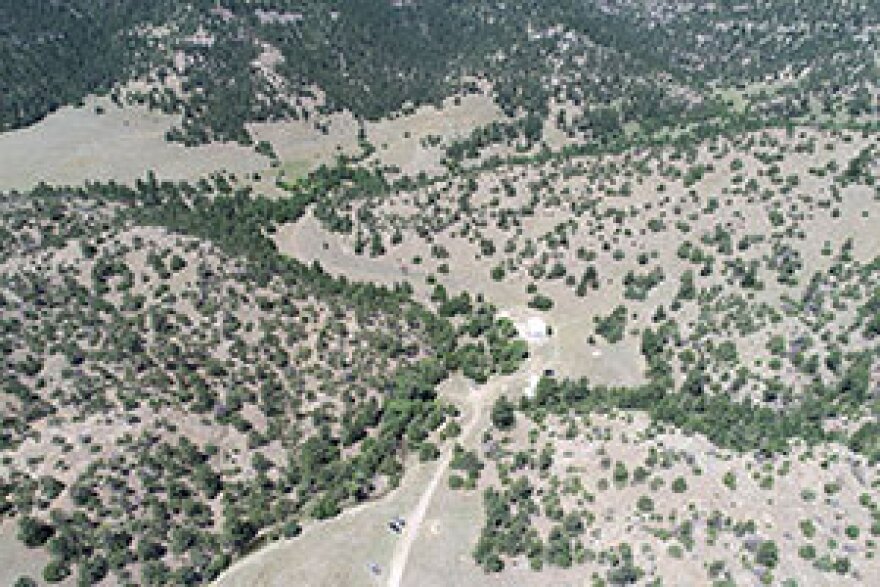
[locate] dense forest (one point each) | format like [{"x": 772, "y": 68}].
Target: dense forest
[{"x": 617, "y": 63}]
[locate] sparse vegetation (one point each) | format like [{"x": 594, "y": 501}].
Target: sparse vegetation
[{"x": 628, "y": 314}]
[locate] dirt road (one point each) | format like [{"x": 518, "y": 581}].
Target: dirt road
[
  {"x": 359, "y": 535},
  {"x": 417, "y": 516}
]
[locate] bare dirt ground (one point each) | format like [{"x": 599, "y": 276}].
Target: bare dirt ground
[{"x": 25, "y": 561}]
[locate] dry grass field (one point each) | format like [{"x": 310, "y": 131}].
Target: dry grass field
[
  {"x": 400, "y": 142},
  {"x": 16, "y": 559},
  {"x": 75, "y": 145},
  {"x": 78, "y": 144}
]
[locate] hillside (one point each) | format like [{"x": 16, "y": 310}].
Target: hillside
[
  {"x": 612, "y": 64},
  {"x": 433, "y": 292},
  {"x": 176, "y": 392}
]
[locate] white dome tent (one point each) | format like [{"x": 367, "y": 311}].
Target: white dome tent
[{"x": 535, "y": 329}]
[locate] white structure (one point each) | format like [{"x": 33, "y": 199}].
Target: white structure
[
  {"x": 532, "y": 386},
  {"x": 533, "y": 330},
  {"x": 536, "y": 328}
]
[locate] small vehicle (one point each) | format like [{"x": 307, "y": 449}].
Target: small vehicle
[{"x": 374, "y": 568}]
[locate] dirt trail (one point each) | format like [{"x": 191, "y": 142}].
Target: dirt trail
[
  {"x": 227, "y": 577},
  {"x": 417, "y": 516},
  {"x": 478, "y": 399},
  {"x": 475, "y": 401}
]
